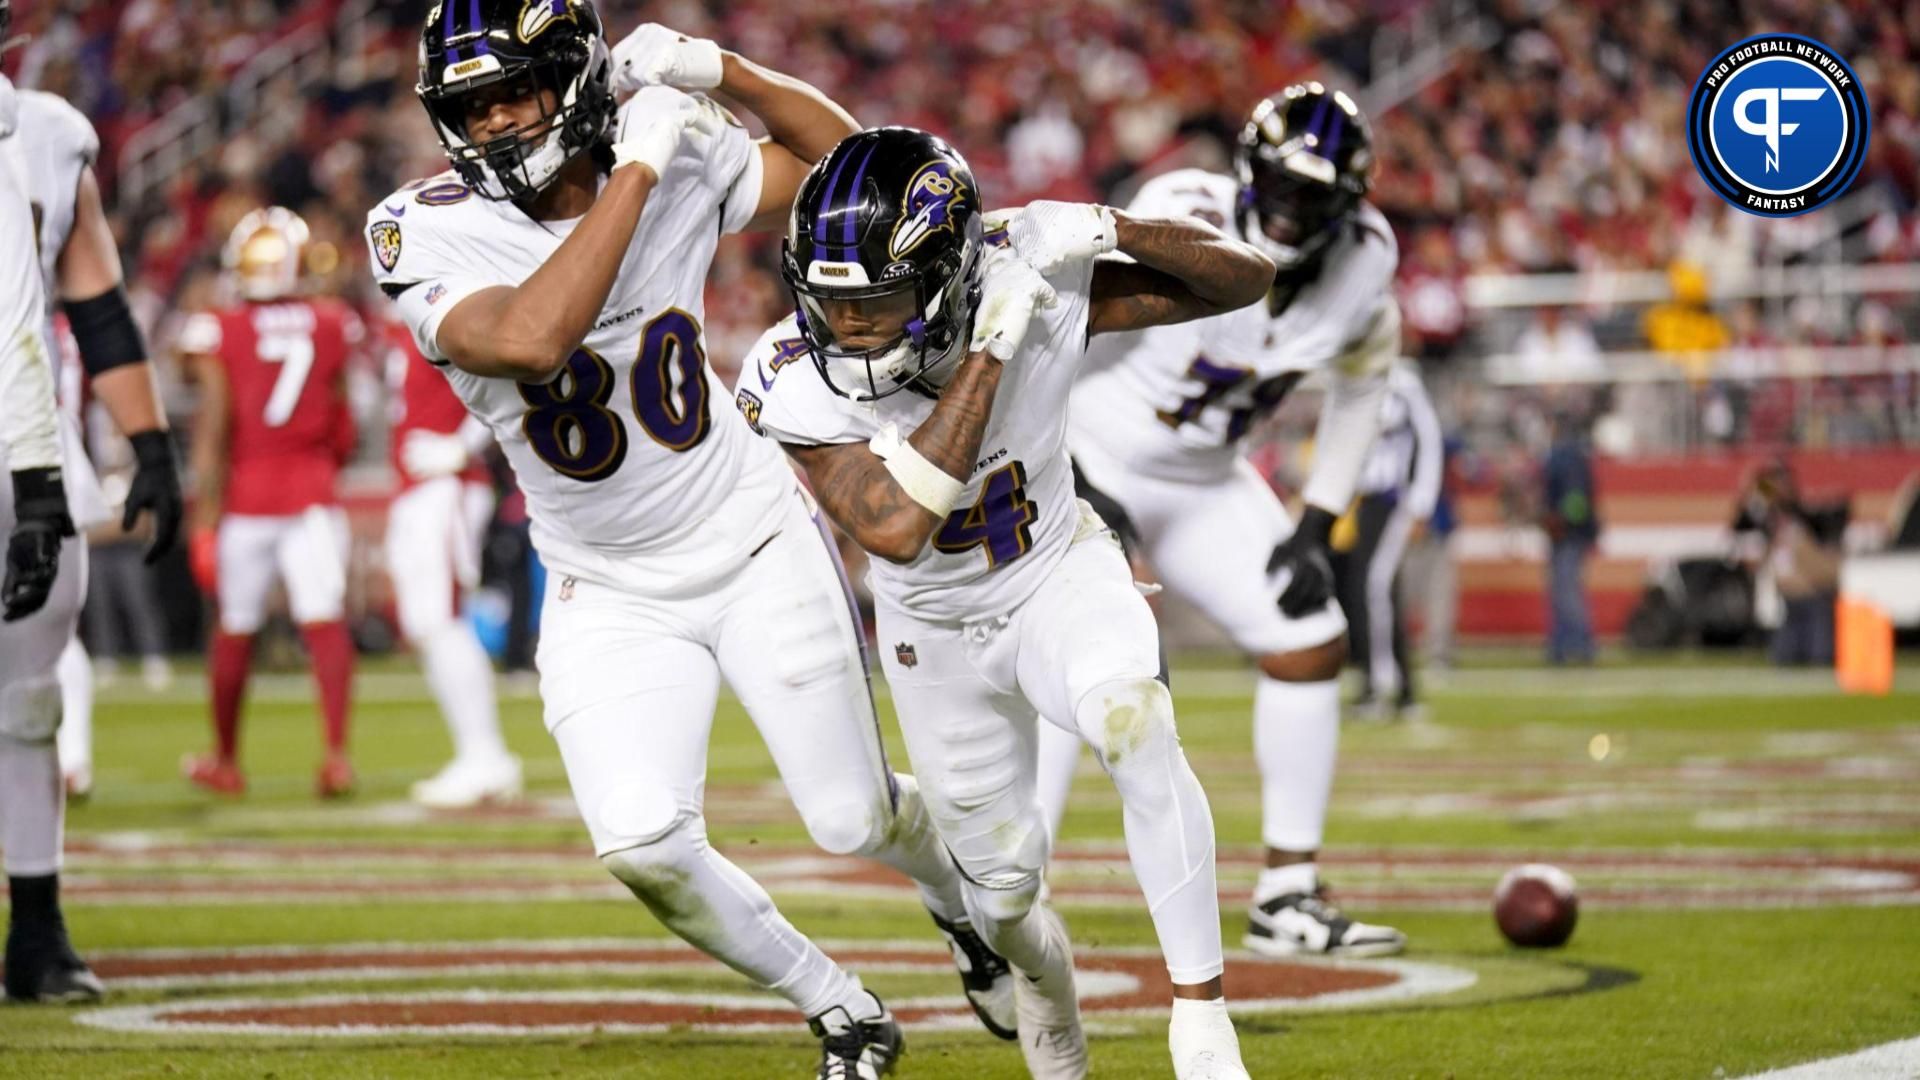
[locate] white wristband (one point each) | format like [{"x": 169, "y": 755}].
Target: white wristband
[{"x": 922, "y": 480}]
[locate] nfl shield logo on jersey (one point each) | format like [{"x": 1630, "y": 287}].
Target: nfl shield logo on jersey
[{"x": 904, "y": 653}]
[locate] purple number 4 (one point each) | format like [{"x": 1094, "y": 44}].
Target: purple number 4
[{"x": 999, "y": 520}]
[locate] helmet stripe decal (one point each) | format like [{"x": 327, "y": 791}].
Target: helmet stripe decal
[
  {"x": 847, "y": 237},
  {"x": 473, "y": 17},
  {"x": 1319, "y": 119},
  {"x": 446, "y": 29},
  {"x": 1332, "y": 144},
  {"x": 820, "y": 212}
]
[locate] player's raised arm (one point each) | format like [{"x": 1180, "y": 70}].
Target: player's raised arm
[
  {"x": 803, "y": 125},
  {"x": 1182, "y": 269},
  {"x": 527, "y": 332},
  {"x": 892, "y": 494}
]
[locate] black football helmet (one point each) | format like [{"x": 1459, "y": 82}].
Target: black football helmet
[
  {"x": 883, "y": 254},
  {"x": 529, "y": 45},
  {"x": 1305, "y": 160}
]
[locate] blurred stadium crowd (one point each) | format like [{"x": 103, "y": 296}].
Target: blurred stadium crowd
[{"x": 1553, "y": 143}]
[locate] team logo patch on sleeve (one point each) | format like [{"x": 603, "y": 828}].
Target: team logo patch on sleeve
[
  {"x": 1778, "y": 125},
  {"x": 386, "y": 243},
  {"x": 750, "y": 408}
]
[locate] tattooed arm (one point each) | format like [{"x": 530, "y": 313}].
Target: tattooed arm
[
  {"x": 1182, "y": 270},
  {"x": 863, "y": 498}
]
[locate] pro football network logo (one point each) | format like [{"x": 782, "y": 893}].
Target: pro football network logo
[{"x": 1778, "y": 125}]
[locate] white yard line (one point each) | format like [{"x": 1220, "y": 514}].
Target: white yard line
[{"x": 1888, "y": 1061}]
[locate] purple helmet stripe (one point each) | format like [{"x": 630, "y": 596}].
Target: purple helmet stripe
[
  {"x": 853, "y": 192},
  {"x": 1331, "y": 145},
  {"x": 820, "y": 211},
  {"x": 473, "y": 16},
  {"x": 446, "y": 30},
  {"x": 1319, "y": 118}
]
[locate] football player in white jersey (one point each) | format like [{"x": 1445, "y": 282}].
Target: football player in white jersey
[
  {"x": 49, "y": 156},
  {"x": 557, "y": 274},
  {"x": 1159, "y": 422},
  {"x": 936, "y": 438},
  {"x": 80, "y": 266}
]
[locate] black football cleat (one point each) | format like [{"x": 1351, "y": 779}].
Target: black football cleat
[
  {"x": 42, "y": 968},
  {"x": 985, "y": 977},
  {"x": 1304, "y": 924},
  {"x": 857, "y": 1049}
]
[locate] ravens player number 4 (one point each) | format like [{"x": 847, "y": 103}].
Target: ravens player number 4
[{"x": 933, "y": 427}]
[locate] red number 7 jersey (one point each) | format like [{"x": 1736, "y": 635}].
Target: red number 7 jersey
[{"x": 289, "y": 429}]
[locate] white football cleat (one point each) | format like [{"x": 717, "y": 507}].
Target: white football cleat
[
  {"x": 465, "y": 784},
  {"x": 1203, "y": 1042},
  {"x": 1051, "y": 1038}
]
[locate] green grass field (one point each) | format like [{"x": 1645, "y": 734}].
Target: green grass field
[{"x": 1747, "y": 845}]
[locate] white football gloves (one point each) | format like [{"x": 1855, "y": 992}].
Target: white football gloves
[
  {"x": 1051, "y": 234},
  {"x": 1010, "y": 292},
  {"x": 652, "y": 125},
  {"x": 656, "y": 56}
]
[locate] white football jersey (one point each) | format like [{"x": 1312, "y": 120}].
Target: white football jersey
[
  {"x": 57, "y": 144},
  {"x": 1019, "y": 514},
  {"x": 29, "y": 428},
  {"x": 636, "y": 473},
  {"x": 1177, "y": 401}
]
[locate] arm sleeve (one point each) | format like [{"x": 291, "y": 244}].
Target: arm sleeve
[
  {"x": 741, "y": 197},
  {"x": 1429, "y": 449},
  {"x": 29, "y": 418},
  {"x": 783, "y": 397},
  {"x": 716, "y": 153},
  {"x": 415, "y": 267},
  {"x": 1350, "y": 417}
]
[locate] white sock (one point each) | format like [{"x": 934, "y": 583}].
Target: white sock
[
  {"x": 1302, "y": 877},
  {"x": 1201, "y": 1026},
  {"x": 461, "y": 677},
  {"x": 1169, "y": 826},
  {"x": 1296, "y": 737},
  {"x": 32, "y": 803},
  {"x": 75, "y": 672}
]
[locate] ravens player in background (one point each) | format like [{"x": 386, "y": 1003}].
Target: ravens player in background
[
  {"x": 1158, "y": 425},
  {"x": 556, "y": 277},
  {"x": 53, "y": 150}
]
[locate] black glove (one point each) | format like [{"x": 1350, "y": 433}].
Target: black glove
[
  {"x": 33, "y": 550},
  {"x": 156, "y": 489},
  {"x": 1305, "y": 554}
]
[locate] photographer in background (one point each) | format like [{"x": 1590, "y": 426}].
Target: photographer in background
[{"x": 1801, "y": 558}]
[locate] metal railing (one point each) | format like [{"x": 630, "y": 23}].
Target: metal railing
[
  {"x": 1409, "y": 54},
  {"x": 303, "y": 58}
]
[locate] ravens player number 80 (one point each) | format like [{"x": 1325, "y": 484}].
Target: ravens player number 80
[{"x": 556, "y": 278}]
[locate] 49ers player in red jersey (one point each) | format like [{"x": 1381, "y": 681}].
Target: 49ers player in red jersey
[
  {"x": 273, "y": 430},
  {"x": 434, "y": 531}
]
